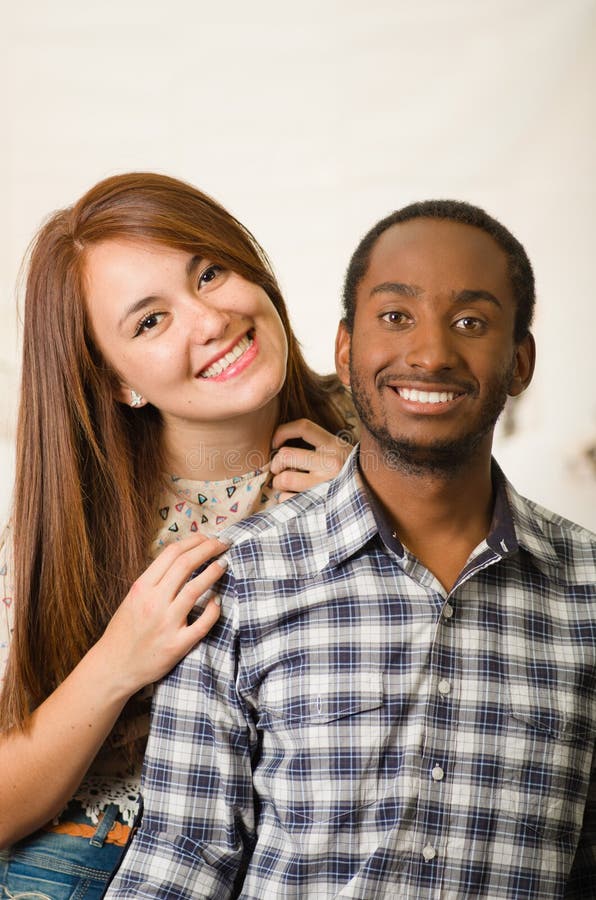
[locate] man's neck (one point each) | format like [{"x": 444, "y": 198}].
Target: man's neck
[{"x": 440, "y": 518}]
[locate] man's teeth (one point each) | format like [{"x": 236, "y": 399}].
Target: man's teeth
[
  {"x": 223, "y": 362},
  {"x": 425, "y": 396}
]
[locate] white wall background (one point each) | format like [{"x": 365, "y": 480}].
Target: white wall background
[{"x": 310, "y": 122}]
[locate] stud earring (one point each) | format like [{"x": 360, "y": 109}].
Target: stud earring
[{"x": 135, "y": 399}]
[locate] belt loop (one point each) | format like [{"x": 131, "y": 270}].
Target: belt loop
[{"x": 105, "y": 825}]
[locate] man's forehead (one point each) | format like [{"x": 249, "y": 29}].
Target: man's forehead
[{"x": 442, "y": 240}]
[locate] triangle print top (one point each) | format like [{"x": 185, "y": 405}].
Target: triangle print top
[{"x": 188, "y": 506}]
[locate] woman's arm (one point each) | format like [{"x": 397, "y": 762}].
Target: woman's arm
[
  {"x": 296, "y": 469},
  {"x": 43, "y": 765}
]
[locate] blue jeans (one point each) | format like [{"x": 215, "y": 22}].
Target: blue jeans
[{"x": 51, "y": 866}]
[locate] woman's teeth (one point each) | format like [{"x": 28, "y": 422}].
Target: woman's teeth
[
  {"x": 223, "y": 362},
  {"x": 425, "y": 396}
]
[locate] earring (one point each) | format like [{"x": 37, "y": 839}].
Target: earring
[{"x": 135, "y": 399}]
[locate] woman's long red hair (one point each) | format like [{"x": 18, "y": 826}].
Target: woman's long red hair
[{"x": 89, "y": 469}]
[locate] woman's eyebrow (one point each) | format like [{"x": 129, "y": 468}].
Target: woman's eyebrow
[
  {"x": 193, "y": 263},
  {"x": 136, "y": 307}
]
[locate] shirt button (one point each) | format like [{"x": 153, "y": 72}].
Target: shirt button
[
  {"x": 429, "y": 853},
  {"x": 447, "y": 611},
  {"x": 444, "y": 686},
  {"x": 437, "y": 773}
]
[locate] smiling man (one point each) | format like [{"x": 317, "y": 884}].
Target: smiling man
[
  {"x": 438, "y": 302},
  {"x": 400, "y": 698}
]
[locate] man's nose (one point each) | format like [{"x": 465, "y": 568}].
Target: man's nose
[{"x": 432, "y": 347}]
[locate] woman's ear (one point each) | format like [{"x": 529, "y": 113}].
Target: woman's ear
[
  {"x": 525, "y": 359},
  {"x": 128, "y": 396},
  {"x": 342, "y": 353}
]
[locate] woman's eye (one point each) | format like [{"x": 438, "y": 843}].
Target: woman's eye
[
  {"x": 148, "y": 322},
  {"x": 209, "y": 274}
]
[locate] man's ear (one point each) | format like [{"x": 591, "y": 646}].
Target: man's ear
[
  {"x": 525, "y": 359},
  {"x": 342, "y": 353}
]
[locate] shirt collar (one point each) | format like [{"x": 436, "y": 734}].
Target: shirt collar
[
  {"x": 527, "y": 523},
  {"x": 354, "y": 517},
  {"x": 350, "y": 520}
]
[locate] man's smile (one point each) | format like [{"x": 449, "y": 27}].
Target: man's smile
[{"x": 425, "y": 396}]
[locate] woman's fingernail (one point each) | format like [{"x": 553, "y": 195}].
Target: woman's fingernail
[{"x": 217, "y": 600}]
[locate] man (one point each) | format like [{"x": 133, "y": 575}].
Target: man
[{"x": 399, "y": 700}]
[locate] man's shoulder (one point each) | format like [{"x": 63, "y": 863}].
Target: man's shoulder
[
  {"x": 298, "y": 538},
  {"x": 292, "y": 533},
  {"x": 571, "y": 545}
]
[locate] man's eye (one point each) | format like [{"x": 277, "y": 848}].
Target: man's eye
[
  {"x": 209, "y": 274},
  {"x": 148, "y": 322},
  {"x": 470, "y": 323},
  {"x": 394, "y": 317}
]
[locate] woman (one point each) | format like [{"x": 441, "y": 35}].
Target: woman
[{"x": 155, "y": 341}]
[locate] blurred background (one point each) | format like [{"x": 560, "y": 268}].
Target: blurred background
[{"x": 310, "y": 123}]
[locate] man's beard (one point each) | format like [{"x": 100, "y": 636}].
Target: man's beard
[{"x": 445, "y": 458}]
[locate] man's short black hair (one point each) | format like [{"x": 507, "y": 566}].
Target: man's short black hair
[{"x": 520, "y": 268}]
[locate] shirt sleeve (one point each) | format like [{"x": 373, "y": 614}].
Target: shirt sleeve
[
  {"x": 6, "y": 595},
  {"x": 582, "y": 878},
  {"x": 198, "y": 825}
]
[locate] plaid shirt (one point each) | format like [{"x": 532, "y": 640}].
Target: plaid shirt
[{"x": 350, "y": 729}]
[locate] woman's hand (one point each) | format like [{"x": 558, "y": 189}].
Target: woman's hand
[
  {"x": 43, "y": 764},
  {"x": 149, "y": 632},
  {"x": 295, "y": 469}
]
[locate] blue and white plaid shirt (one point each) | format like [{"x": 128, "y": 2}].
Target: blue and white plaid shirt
[{"x": 351, "y": 730}]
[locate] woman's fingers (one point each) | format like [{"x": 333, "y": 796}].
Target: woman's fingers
[
  {"x": 158, "y": 568},
  {"x": 302, "y": 429},
  {"x": 292, "y": 482},
  {"x": 293, "y": 458},
  {"x": 199, "y": 589},
  {"x": 185, "y": 563},
  {"x": 296, "y": 469},
  {"x": 201, "y": 626}
]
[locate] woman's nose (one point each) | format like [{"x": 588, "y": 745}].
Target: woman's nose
[{"x": 207, "y": 323}]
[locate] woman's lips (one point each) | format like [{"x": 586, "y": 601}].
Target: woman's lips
[{"x": 232, "y": 362}]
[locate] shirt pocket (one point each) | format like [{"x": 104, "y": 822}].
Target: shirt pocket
[
  {"x": 549, "y": 748},
  {"x": 321, "y": 745}
]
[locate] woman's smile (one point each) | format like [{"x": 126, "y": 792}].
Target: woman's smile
[{"x": 230, "y": 363}]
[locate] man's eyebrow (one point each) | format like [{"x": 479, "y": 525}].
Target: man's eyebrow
[
  {"x": 469, "y": 296},
  {"x": 397, "y": 287}
]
